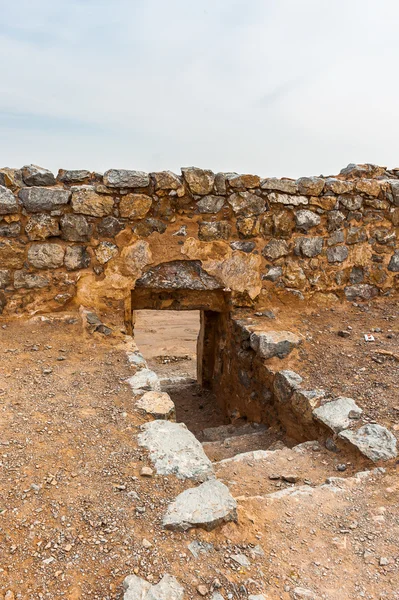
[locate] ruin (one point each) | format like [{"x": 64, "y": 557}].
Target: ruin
[{"x": 101, "y": 247}]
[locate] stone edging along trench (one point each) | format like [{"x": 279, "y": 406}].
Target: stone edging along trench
[{"x": 305, "y": 414}]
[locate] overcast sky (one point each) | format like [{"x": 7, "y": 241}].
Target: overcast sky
[{"x": 273, "y": 87}]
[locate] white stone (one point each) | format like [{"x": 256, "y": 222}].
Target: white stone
[
  {"x": 374, "y": 441},
  {"x": 207, "y": 506},
  {"x": 175, "y": 450},
  {"x": 143, "y": 380},
  {"x": 137, "y": 588},
  {"x": 335, "y": 414}
]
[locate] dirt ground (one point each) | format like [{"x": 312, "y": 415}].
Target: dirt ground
[{"x": 74, "y": 509}]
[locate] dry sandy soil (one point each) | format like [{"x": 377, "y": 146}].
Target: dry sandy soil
[{"x": 74, "y": 509}]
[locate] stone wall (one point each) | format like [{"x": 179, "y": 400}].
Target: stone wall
[{"x": 84, "y": 238}]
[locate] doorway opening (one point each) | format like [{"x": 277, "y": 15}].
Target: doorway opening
[{"x": 175, "y": 346}]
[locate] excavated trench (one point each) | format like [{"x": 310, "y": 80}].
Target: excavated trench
[{"x": 170, "y": 341}]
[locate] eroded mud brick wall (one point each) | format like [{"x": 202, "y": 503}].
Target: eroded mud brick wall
[{"x": 86, "y": 238}]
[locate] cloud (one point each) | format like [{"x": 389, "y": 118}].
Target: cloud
[{"x": 276, "y": 87}]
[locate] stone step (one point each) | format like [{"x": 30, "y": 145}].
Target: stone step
[
  {"x": 260, "y": 473},
  {"x": 218, "y": 434},
  {"x": 238, "y": 444}
]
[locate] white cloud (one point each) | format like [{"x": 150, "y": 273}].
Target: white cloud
[{"x": 276, "y": 87}]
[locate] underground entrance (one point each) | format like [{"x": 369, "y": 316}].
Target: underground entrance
[{"x": 181, "y": 324}]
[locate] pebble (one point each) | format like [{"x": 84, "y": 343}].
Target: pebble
[
  {"x": 146, "y": 472},
  {"x": 384, "y": 561},
  {"x": 146, "y": 544},
  {"x": 341, "y": 467},
  {"x": 202, "y": 590},
  {"x": 290, "y": 478}
]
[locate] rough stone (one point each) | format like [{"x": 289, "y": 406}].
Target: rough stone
[
  {"x": 210, "y": 204},
  {"x": 207, "y": 506},
  {"x": 175, "y": 450},
  {"x": 157, "y": 404},
  {"x": 75, "y": 228},
  {"x": 276, "y": 249},
  {"x": 146, "y": 227},
  {"x": 199, "y": 181},
  {"x": 363, "y": 291},
  {"x": 246, "y": 204},
  {"x": 240, "y": 182},
  {"x": 394, "y": 262},
  {"x": 214, "y": 230},
  {"x": 274, "y": 343},
  {"x": 356, "y": 235},
  {"x": 166, "y": 180},
  {"x": 243, "y": 246},
  {"x": 273, "y": 274},
  {"x": 306, "y": 219},
  {"x": 46, "y": 256},
  {"x": 351, "y": 202},
  {"x": 73, "y": 176},
  {"x": 383, "y": 235},
  {"x": 308, "y": 246},
  {"x": 76, "y": 257},
  {"x": 283, "y": 224},
  {"x": 105, "y": 251},
  {"x": 337, "y": 237},
  {"x": 305, "y": 401},
  {"x": 335, "y": 219},
  {"x": 371, "y": 187},
  {"x": 353, "y": 170},
  {"x": 38, "y": 199},
  {"x": 144, "y": 380},
  {"x": 303, "y": 594},
  {"x": 23, "y": 279},
  {"x": 337, "y": 254},
  {"x": 86, "y": 201},
  {"x": 122, "y": 178},
  {"x": 8, "y": 202},
  {"x": 310, "y": 186},
  {"x": 168, "y": 588},
  {"x": 374, "y": 441},
  {"x": 287, "y": 186},
  {"x": 395, "y": 192},
  {"x": 135, "y": 206},
  {"x": 110, "y": 227},
  {"x": 179, "y": 274},
  {"x": 5, "y": 278},
  {"x": 12, "y": 254},
  {"x": 41, "y": 227},
  {"x": 34, "y": 175},
  {"x": 356, "y": 275},
  {"x": 335, "y": 414},
  {"x": 10, "y": 230},
  {"x": 275, "y": 198},
  {"x": 338, "y": 186},
  {"x": 285, "y": 384}
]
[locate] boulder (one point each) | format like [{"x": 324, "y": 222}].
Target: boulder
[
  {"x": 158, "y": 405},
  {"x": 34, "y": 175},
  {"x": 274, "y": 343},
  {"x": 166, "y": 180},
  {"x": 46, "y": 256},
  {"x": 122, "y": 178},
  {"x": 335, "y": 414},
  {"x": 38, "y": 199},
  {"x": 137, "y": 588},
  {"x": 287, "y": 186},
  {"x": 374, "y": 441},
  {"x": 338, "y": 186},
  {"x": 8, "y": 202},
  {"x": 175, "y": 450},
  {"x": 351, "y": 202},
  {"x": 178, "y": 274},
  {"x": 242, "y": 182},
  {"x": 207, "y": 506},
  {"x": 199, "y": 181}
]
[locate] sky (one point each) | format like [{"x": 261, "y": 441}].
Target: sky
[{"x": 272, "y": 87}]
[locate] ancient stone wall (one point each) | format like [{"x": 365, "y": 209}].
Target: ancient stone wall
[{"x": 83, "y": 238}]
